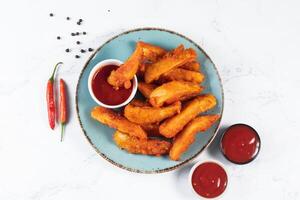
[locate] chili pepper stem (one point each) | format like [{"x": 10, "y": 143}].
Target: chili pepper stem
[
  {"x": 53, "y": 73},
  {"x": 62, "y": 131}
]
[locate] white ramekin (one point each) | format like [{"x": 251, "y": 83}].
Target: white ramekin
[
  {"x": 96, "y": 68},
  {"x": 191, "y": 174}
]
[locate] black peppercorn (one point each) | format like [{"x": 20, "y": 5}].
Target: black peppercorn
[
  {"x": 58, "y": 37},
  {"x": 77, "y": 33},
  {"x": 78, "y": 23},
  {"x": 77, "y": 56},
  {"x": 51, "y": 14},
  {"x": 78, "y": 42},
  {"x": 67, "y": 50},
  {"x": 73, "y": 34},
  {"x": 82, "y": 51},
  {"x": 90, "y": 49},
  {"x": 84, "y": 33},
  {"x": 68, "y": 18}
]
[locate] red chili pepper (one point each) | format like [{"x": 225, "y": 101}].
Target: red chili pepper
[
  {"x": 50, "y": 99},
  {"x": 62, "y": 107}
]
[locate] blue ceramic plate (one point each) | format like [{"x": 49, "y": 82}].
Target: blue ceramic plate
[{"x": 100, "y": 136}]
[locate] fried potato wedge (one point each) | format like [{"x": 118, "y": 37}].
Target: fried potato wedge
[
  {"x": 141, "y": 146},
  {"x": 169, "y": 61},
  {"x": 140, "y": 103},
  {"x": 187, "y": 136},
  {"x": 179, "y": 74},
  {"x": 173, "y": 91},
  {"x": 151, "y": 52},
  {"x": 151, "y": 129},
  {"x": 150, "y": 115},
  {"x": 193, "y": 66},
  {"x": 121, "y": 77},
  {"x": 114, "y": 120},
  {"x": 170, "y": 127},
  {"x": 146, "y": 88}
]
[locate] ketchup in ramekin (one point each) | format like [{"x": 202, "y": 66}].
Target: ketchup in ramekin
[
  {"x": 104, "y": 92},
  {"x": 209, "y": 179},
  {"x": 240, "y": 144}
]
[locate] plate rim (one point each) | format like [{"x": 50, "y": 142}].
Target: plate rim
[{"x": 157, "y": 170}]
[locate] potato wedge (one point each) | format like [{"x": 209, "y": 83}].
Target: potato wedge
[
  {"x": 173, "y": 91},
  {"x": 187, "y": 136},
  {"x": 152, "y": 130},
  {"x": 122, "y": 76},
  {"x": 193, "y": 66},
  {"x": 114, "y": 120},
  {"x": 179, "y": 74},
  {"x": 170, "y": 127},
  {"x": 141, "y": 146},
  {"x": 169, "y": 61},
  {"x": 151, "y": 52},
  {"x": 140, "y": 103},
  {"x": 146, "y": 88},
  {"x": 150, "y": 115}
]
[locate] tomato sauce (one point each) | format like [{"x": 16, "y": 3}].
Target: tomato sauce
[
  {"x": 240, "y": 144},
  {"x": 209, "y": 180},
  {"x": 104, "y": 92}
]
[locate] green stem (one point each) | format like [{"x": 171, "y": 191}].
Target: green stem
[
  {"x": 62, "y": 131},
  {"x": 53, "y": 73}
]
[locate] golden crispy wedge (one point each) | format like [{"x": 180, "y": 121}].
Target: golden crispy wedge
[
  {"x": 150, "y": 115},
  {"x": 170, "y": 61},
  {"x": 193, "y": 66},
  {"x": 114, "y": 120},
  {"x": 151, "y": 129},
  {"x": 121, "y": 77},
  {"x": 141, "y": 146},
  {"x": 140, "y": 103},
  {"x": 146, "y": 88},
  {"x": 173, "y": 91},
  {"x": 179, "y": 74},
  {"x": 187, "y": 136},
  {"x": 175, "y": 124},
  {"x": 151, "y": 52}
]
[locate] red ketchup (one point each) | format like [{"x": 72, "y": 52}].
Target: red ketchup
[
  {"x": 104, "y": 92},
  {"x": 209, "y": 180},
  {"x": 240, "y": 144}
]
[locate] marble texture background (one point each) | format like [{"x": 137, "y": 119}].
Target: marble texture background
[{"x": 255, "y": 45}]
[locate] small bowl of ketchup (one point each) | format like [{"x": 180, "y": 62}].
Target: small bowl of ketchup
[
  {"x": 240, "y": 144},
  {"x": 105, "y": 94},
  {"x": 208, "y": 179}
]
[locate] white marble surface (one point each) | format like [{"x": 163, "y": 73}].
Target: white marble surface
[{"x": 255, "y": 45}]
